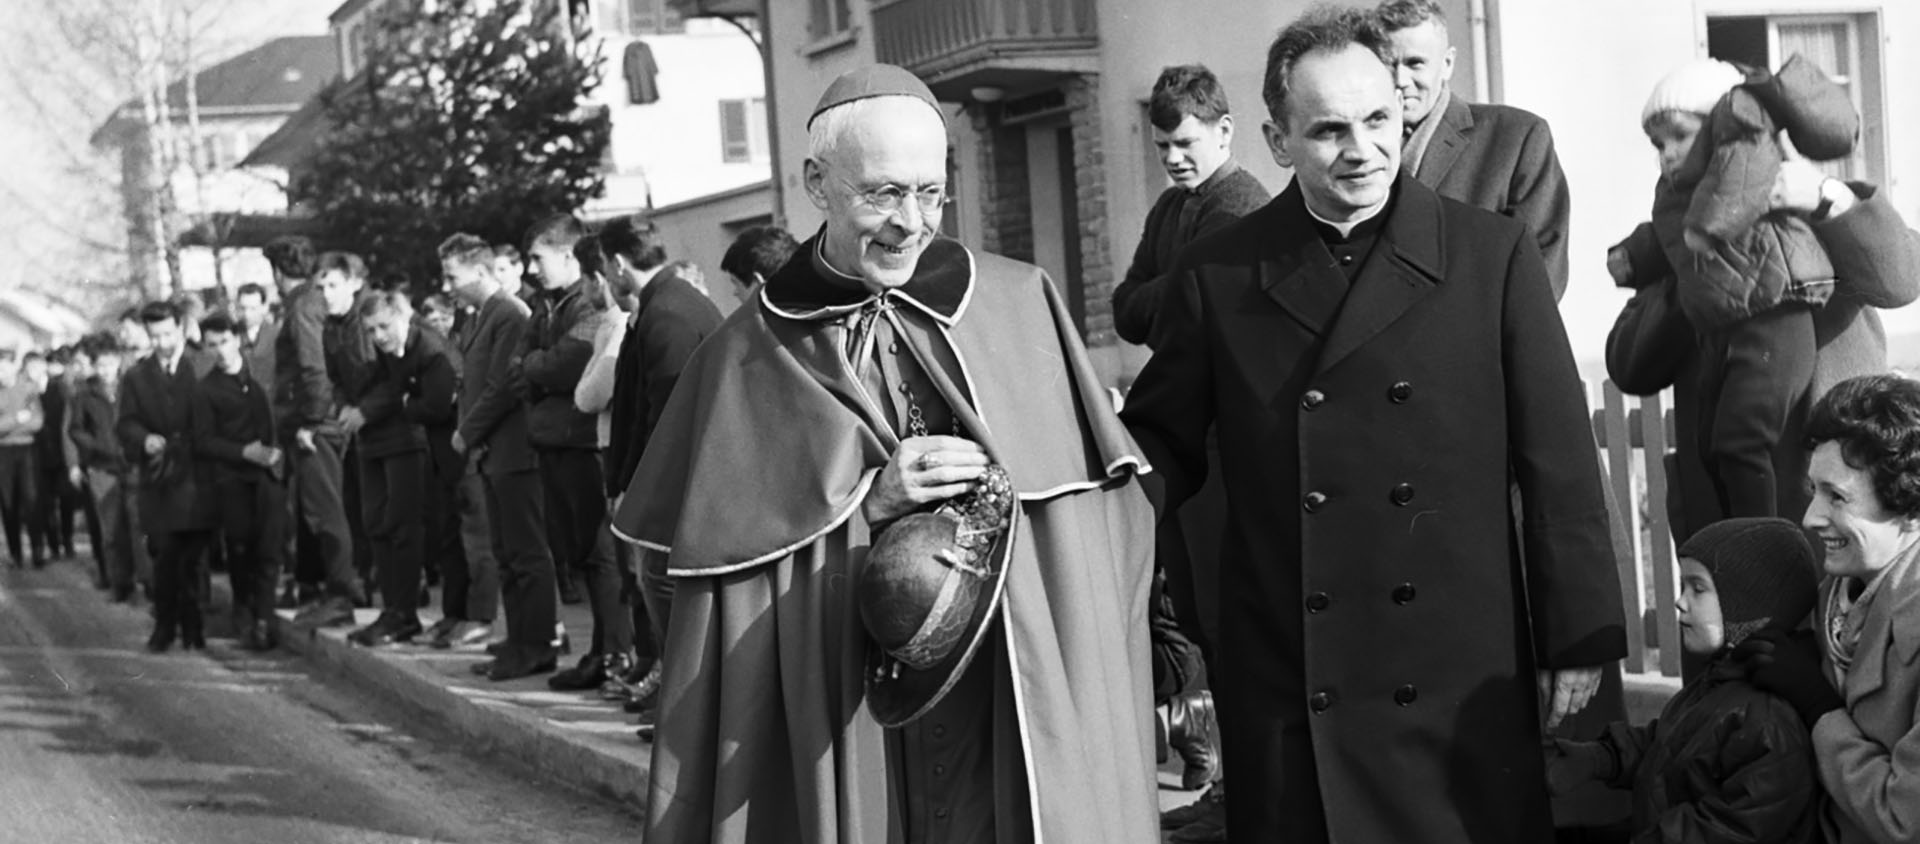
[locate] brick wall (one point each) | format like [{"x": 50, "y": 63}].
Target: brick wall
[
  {"x": 1007, "y": 204},
  {"x": 1097, "y": 276}
]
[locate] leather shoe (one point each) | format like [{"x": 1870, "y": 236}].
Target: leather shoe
[
  {"x": 328, "y": 612},
  {"x": 1189, "y": 729},
  {"x": 465, "y": 635},
  {"x": 511, "y": 667},
  {"x": 646, "y": 693},
  {"x": 1214, "y": 801},
  {"x": 388, "y": 629},
  {"x": 436, "y": 633},
  {"x": 159, "y": 642},
  {"x": 260, "y": 637},
  {"x": 588, "y": 673}
]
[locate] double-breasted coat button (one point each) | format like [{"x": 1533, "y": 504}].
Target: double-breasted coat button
[
  {"x": 1318, "y": 602},
  {"x": 1400, "y": 392},
  {"x": 1404, "y": 593},
  {"x": 1401, "y": 495},
  {"x": 1320, "y": 702},
  {"x": 1313, "y": 399},
  {"x": 1346, "y": 259},
  {"x": 1406, "y": 695},
  {"x": 1314, "y": 501}
]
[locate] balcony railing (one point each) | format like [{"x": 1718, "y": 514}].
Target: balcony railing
[{"x": 931, "y": 37}]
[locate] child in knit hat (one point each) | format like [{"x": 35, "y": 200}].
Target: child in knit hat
[
  {"x": 1748, "y": 278},
  {"x": 1725, "y": 761}
]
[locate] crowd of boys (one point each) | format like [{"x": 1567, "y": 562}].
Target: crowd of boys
[{"x": 335, "y": 445}]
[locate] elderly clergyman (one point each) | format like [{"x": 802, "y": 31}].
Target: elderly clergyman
[
  {"x": 876, "y": 378},
  {"x": 1377, "y": 362}
]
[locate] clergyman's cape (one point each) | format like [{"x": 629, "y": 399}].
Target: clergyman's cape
[{"x": 751, "y": 488}]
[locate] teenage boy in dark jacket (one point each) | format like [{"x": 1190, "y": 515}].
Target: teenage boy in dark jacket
[
  {"x": 233, "y": 433},
  {"x": 493, "y": 435},
  {"x": 106, "y": 474},
  {"x": 553, "y": 356},
  {"x": 408, "y": 385}
]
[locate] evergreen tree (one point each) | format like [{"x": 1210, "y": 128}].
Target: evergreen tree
[{"x": 470, "y": 115}]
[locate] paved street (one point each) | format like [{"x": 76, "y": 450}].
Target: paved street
[{"x": 102, "y": 742}]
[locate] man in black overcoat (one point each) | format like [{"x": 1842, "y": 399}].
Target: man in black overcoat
[
  {"x": 1379, "y": 362},
  {"x": 176, "y": 504}
]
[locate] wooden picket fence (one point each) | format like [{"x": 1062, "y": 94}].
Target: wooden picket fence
[{"x": 1633, "y": 435}]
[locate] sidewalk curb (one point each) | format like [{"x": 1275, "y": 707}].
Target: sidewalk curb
[{"x": 509, "y": 732}]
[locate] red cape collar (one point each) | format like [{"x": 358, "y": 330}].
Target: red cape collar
[{"x": 807, "y": 289}]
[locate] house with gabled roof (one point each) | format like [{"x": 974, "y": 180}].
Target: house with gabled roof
[{"x": 236, "y": 104}]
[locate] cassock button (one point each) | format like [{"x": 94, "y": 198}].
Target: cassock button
[
  {"x": 939, "y": 770},
  {"x": 1406, "y": 695},
  {"x": 1401, "y": 495},
  {"x": 940, "y": 813},
  {"x": 1346, "y": 260},
  {"x": 1314, "y": 501},
  {"x": 1320, "y": 702},
  {"x": 1313, "y": 399},
  {"x": 893, "y": 348},
  {"x": 939, "y": 731},
  {"x": 1403, "y": 594},
  {"x": 904, "y": 389},
  {"x": 1318, "y": 602},
  {"x": 1400, "y": 392}
]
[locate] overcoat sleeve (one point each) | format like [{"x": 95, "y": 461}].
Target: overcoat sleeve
[
  {"x": 494, "y": 398},
  {"x": 1538, "y": 197},
  {"x": 1876, "y": 257},
  {"x": 1876, "y": 786},
  {"x": 1170, "y": 406},
  {"x": 1572, "y": 587}
]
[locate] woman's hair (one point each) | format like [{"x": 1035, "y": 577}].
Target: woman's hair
[{"x": 1876, "y": 421}]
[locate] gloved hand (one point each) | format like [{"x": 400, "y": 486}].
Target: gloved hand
[
  {"x": 1788, "y": 665},
  {"x": 1572, "y": 764}
]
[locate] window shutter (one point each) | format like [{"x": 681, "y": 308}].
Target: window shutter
[{"x": 735, "y": 145}]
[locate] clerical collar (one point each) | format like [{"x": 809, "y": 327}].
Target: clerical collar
[
  {"x": 808, "y": 288},
  {"x": 1367, "y": 224}
]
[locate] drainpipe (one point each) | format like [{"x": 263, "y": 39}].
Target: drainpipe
[
  {"x": 777, "y": 181},
  {"x": 1482, "y": 70}
]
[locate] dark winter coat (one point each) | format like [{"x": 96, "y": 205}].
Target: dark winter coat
[
  {"x": 175, "y": 487},
  {"x": 673, "y": 319},
  {"x": 1380, "y": 631},
  {"x": 493, "y": 418},
  {"x": 1499, "y": 158},
  {"x": 230, "y": 411},
  {"x": 554, "y": 353},
  {"x": 91, "y": 429},
  {"x": 1177, "y": 218},
  {"x": 1723, "y": 762},
  {"x": 405, "y": 394}
]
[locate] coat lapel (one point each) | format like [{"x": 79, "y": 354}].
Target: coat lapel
[
  {"x": 1404, "y": 268},
  {"x": 1449, "y": 141},
  {"x": 1298, "y": 272}
]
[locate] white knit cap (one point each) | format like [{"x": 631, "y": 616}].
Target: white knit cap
[{"x": 1694, "y": 87}]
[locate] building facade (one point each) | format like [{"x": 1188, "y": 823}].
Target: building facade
[
  {"x": 238, "y": 103},
  {"x": 1053, "y": 160}
]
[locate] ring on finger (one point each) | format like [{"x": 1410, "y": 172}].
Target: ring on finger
[{"x": 927, "y": 461}]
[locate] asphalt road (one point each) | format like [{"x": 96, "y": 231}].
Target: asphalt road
[{"x": 103, "y": 742}]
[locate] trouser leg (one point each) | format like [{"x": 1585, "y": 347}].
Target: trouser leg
[
  {"x": 14, "y": 465},
  {"x": 51, "y": 481},
  {"x": 360, "y": 547},
  {"x": 115, "y": 546},
  {"x": 577, "y": 534},
  {"x": 1764, "y": 369},
  {"x": 392, "y": 489},
  {"x": 319, "y": 478},
  {"x": 176, "y": 582},
  {"x": 627, "y": 557},
  {"x": 517, "y": 515},
  {"x": 480, "y": 587}
]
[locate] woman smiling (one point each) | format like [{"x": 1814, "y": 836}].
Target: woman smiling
[{"x": 1865, "y": 481}]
